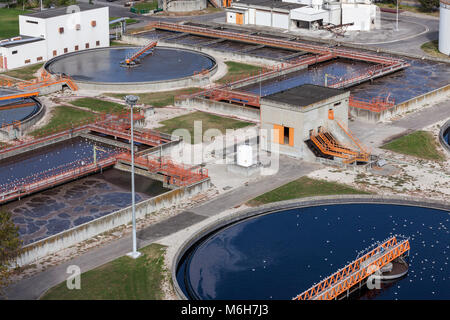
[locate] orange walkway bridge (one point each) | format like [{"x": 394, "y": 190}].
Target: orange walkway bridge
[{"x": 352, "y": 275}]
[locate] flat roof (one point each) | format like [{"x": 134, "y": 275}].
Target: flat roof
[
  {"x": 270, "y": 4},
  {"x": 304, "y": 95},
  {"x": 16, "y": 43},
  {"x": 50, "y": 13}
]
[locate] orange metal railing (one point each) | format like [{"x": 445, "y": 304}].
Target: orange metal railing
[
  {"x": 140, "y": 52},
  {"x": 376, "y": 104},
  {"x": 358, "y": 270}
]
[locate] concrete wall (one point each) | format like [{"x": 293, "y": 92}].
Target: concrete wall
[
  {"x": 70, "y": 237},
  {"x": 186, "y": 5},
  {"x": 417, "y": 102},
  {"x": 224, "y": 108}
]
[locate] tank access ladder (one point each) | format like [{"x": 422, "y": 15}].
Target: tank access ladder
[{"x": 132, "y": 59}]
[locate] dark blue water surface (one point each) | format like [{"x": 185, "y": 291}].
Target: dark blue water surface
[
  {"x": 279, "y": 255},
  {"x": 104, "y": 65}
]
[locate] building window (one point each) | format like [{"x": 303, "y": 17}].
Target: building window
[
  {"x": 65, "y": 50},
  {"x": 54, "y": 53},
  {"x": 87, "y": 45},
  {"x": 76, "y": 48},
  {"x": 39, "y": 58},
  {"x": 97, "y": 43},
  {"x": 93, "y": 23},
  {"x": 14, "y": 52},
  {"x": 27, "y": 61},
  {"x": 34, "y": 22},
  {"x": 61, "y": 30}
]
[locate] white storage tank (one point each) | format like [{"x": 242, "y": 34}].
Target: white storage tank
[
  {"x": 244, "y": 155},
  {"x": 444, "y": 27}
]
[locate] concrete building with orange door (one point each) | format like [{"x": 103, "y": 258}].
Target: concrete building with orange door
[{"x": 289, "y": 117}]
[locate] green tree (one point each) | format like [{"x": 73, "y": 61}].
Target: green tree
[
  {"x": 429, "y": 5},
  {"x": 10, "y": 246}
]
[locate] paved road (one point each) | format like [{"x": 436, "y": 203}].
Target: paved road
[
  {"x": 375, "y": 135},
  {"x": 34, "y": 287}
]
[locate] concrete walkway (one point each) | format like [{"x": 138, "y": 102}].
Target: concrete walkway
[
  {"x": 35, "y": 286},
  {"x": 374, "y": 135}
]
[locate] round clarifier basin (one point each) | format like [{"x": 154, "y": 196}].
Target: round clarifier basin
[
  {"x": 279, "y": 254},
  {"x": 164, "y": 68}
]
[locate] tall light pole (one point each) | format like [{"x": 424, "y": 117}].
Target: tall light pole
[
  {"x": 396, "y": 23},
  {"x": 131, "y": 101}
]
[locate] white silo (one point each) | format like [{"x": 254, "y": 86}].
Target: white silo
[{"x": 444, "y": 27}]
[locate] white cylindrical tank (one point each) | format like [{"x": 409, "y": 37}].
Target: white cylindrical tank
[
  {"x": 444, "y": 27},
  {"x": 244, "y": 155}
]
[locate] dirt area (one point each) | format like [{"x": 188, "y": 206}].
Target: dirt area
[{"x": 406, "y": 175}]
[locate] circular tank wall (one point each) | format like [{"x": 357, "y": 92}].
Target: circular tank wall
[{"x": 444, "y": 27}]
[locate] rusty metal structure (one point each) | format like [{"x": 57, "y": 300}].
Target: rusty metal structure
[
  {"x": 357, "y": 271},
  {"x": 132, "y": 60}
]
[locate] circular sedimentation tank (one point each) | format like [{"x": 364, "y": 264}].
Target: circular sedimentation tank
[
  {"x": 11, "y": 110},
  {"x": 164, "y": 68},
  {"x": 279, "y": 251}
]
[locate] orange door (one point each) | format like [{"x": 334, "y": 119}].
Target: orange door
[
  {"x": 291, "y": 137},
  {"x": 239, "y": 18},
  {"x": 278, "y": 134}
]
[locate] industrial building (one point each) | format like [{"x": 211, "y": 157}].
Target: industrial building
[
  {"x": 295, "y": 15},
  {"x": 50, "y": 33},
  {"x": 294, "y": 114},
  {"x": 444, "y": 27}
]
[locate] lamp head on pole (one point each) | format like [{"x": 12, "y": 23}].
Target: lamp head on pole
[{"x": 131, "y": 100}]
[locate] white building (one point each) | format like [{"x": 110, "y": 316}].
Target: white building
[
  {"x": 47, "y": 34},
  {"x": 305, "y": 14}
]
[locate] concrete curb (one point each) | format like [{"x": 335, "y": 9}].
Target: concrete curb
[{"x": 293, "y": 204}]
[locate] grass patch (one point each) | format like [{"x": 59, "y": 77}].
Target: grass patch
[
  {"x": 209, "y": 121},
  {"x": 98, "y": 105},
  {"x": 128, "y": 21},
  {"x": 120, "y": 279},
  {"x": 303, "y": 187},
  {"x": 432, "y": 48},
  {"x": 420, "y": 144},
  {"x": 408, "y": 8},
  {"x": 237, "y": 69},
  {"x": 10, "y": 22},
  {"x": 63, "y": 117},
  {"x": 150, "y": 5},
  {"x": 157, "y": 99},
  {"x": 25, "y": 73}
]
